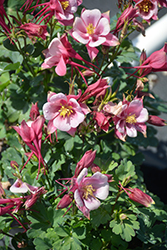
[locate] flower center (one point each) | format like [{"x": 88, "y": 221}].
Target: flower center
[
  {"x": 131, "y": 119},
  {"x": 65, "y": 5},
  {"x": 90, "y": 29},
  {"x": 19, "y": 183},
  {"x": 145, "y": 5},
  {"x": 65, "y": 110},
  {"x": 88, "y": 190}
]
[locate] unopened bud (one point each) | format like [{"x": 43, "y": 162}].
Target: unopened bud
[
  {"x": 14, "y": 164},
  {"x": 123, "y": 216},
  {"x": 157, "y": 121},
  {"x": 34, "y": 112},
  {"x": 95, "y": 168},
  {"x": 65, "y": 201},
  {"x": 139, "y": 196}
]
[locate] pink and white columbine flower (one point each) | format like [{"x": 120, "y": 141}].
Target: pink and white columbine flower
[
  {"x": 22, "y": 187},
  {"x": 130, "y": 119},
  {"x": 93, "y": 29},
  {"x": 62, "y": 10},
  {"x": 147, "y": 9},
  {"x": 60, "y": 53},
  {"x": 88, "y": 191},
  {"x": 63, "y": 112}
]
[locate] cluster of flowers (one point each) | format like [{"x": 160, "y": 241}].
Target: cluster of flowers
[{"x": 68, "y": 112}]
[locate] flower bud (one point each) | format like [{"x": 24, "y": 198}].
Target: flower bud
[
  {"x": 139, "y": 196},
  {"x": 14, "y": 164},
  {"x": 95, "y": 168},
  {"x": 34, "y": 112},
  {"x": 65, "y": 201},
  {"x": 157, "y": 121}
]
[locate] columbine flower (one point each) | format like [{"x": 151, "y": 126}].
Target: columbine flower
[
  {"x": 89, "y": 190},
  {"x": 62, "y": 10},
  {"x": 147, "y": 9},
  {"x": 101, "y": 120},
  {"x": 96, "y": 89},
  {"x": 31, "y": 133},
  {"x": 129, "y": 14},
  {"x": 130, "y": 119},
  {"x": 93, "y": 29},
  {"x": 34, "y": 30},
  {"x": 34, "y": 196},
  {"x": 60, "y": 53},
  {"x": 22, "y": 187},
  {"x": 157, "y": 61},
  {"x": 63, "y": 112}
]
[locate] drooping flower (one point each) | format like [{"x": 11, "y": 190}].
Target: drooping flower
[
  {"x": 130, "y": 119},
  {"x": 96, "y": 89},
  {"x": 89, "y": 190},
  {"x": 129, "y": 14},
  {"x": 101, "y": 120},
  {"x": 93, "y": 29},
  {"x": 147, "y": 9},
  {"x": 60, "y": 53},
  {"x": 157, "y": 61},
  {"x": 62, "y": 10},
  {"x": 34, "y": 196},
  {"x": 22, "y": 187},
  {"x": 63, "y": 112},
  {"x": 34, "y": 30},
  {"x": 3, "y": 18},
  {"x": 31, "y": 133}
]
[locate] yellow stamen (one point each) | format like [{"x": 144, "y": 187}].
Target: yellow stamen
[
  {"x": 65, "y": 4},
  {"x": 88, "y": 190},
  {"x": 90, "y": 29},
  {"x": 65, "y": 110},
  {"x": 131, "y": 119},
  {"x": 145, "y": 5}
]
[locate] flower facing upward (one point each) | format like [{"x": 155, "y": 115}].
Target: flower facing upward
[
  {"x": 130, "y": 118},
  {"x": 63, "y": 112},
  {"x": 93, "y": 29},
  {"x": 147, "y": 9},
  {"x": 88, "y": 191}
]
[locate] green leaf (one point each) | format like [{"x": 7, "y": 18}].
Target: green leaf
[
  {"x": 125, "y": 169},
  {"x": 10, "y": 45},
  {"x": 12, "y": 66},
  {"x": 100, "y": 216},
  {"x": 127, "y": 232},
  {"x": 4, "y": 79},
  {"x": 117, "y": 229},
  {"x": 69, "y": 144},
  {"x": 42, "y": 244}
]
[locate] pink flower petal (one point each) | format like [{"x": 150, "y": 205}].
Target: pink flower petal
[
  {"x": 103, "y": 27},
  {"x": 91, "y": 16},
  {"x": 92, "y": 203},
  {"x": 61, "y": 67},
  {"x": 78, "y": 198},
  {"x": 131, "y": 130}
]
